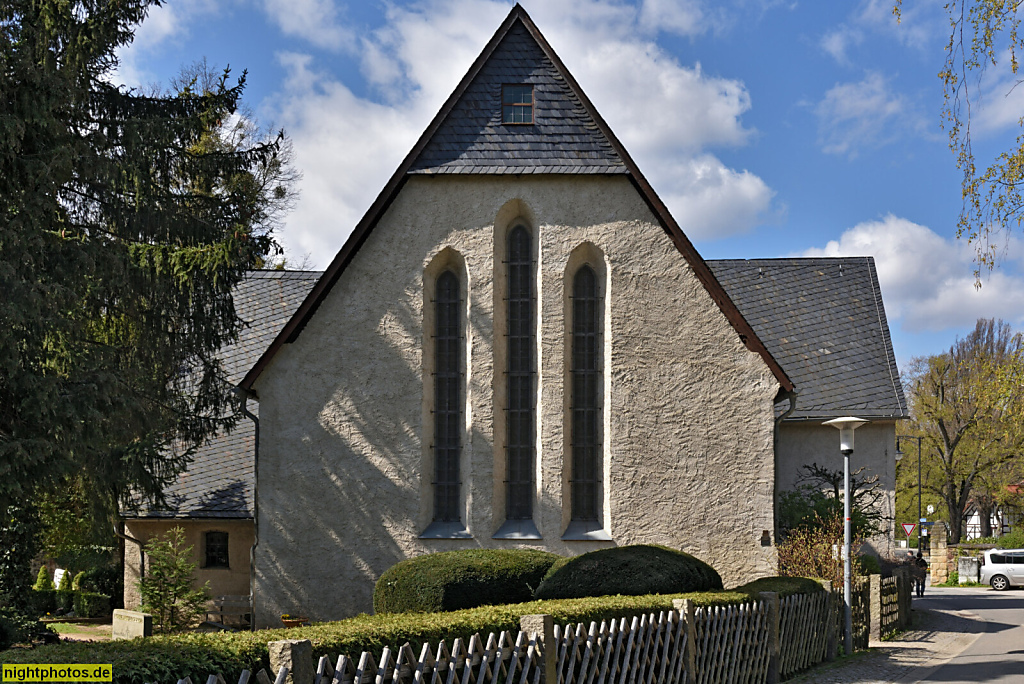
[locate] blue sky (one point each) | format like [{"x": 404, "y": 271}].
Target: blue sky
[{"x": 770, "y": 128}]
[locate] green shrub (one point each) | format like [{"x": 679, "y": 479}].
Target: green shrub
[
  {"x": 76, "y": 583},
  {"x": 168, "y": 590},
  {"x": 65, "y": 581},
  {"x": 455, "y": 580},
  {"x": 43, "y": 581},
  {"x": 43, "y": 601},
  {"x": 103, "y": 579},
  {"x": 630, "y": 571},
  {"x": 15, "y": 628},
  {"x": 783, "y": 586},
  {"x": 89, "y": 604},
  {"x": 65, "y": 600}
]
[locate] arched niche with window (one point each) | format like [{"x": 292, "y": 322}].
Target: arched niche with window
[
  {"x": 585, "y": 466},
  {"x": 445, "y": 350},
  {"x": 517, "y": 362}
]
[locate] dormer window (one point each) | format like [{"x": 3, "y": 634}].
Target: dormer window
[{"x": 517, "y": 104}]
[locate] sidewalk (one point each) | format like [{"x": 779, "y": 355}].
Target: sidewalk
[{"x": 936, "y": 637}]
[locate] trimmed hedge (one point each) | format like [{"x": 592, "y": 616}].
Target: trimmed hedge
[
  {"x": 166, "y": 658},
  {"x": 630, "y": 571},
  {"x": 455, "y": 580},
  {"x": 783, "y": 586},
  {"x": 90, "y": 604}
]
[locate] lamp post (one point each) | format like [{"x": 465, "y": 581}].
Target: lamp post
[
  {"x": 846, "y": 426},
  {"x": 899, "y": 455}
]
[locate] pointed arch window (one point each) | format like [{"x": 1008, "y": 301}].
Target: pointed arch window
[
  {"x": 586, "y": 382},
  {"x": 447, "y": 398},
  {"x": 521, "y": 375}
]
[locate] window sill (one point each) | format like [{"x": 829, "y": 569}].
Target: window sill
[
  {"x": 446, "y": 530},
  {"x": 585, "y": 530},
  {"x": 517, "y": 529}
]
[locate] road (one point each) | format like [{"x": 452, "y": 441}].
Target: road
[{"x": 998, "y": 654}]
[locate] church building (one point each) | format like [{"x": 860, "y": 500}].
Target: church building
[{"x": 518, "y": 347}]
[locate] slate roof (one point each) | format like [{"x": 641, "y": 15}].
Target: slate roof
[
  {"x": 823, "y": 320},
  {"x": 564, "y": 137},
  {"x": 219, "y": 481}
]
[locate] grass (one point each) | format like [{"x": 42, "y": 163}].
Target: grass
[{"x": 94, "y": 632}]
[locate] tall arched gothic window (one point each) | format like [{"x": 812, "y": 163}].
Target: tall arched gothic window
[
  {"x": 586, "y": 381},
  {"x": 521, "y": 374},
  {"x": 447, "y": 398}
]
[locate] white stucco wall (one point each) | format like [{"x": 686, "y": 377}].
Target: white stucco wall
[
  {"x": 802, "y": 443},
  {"x": 342, "y": 461}
]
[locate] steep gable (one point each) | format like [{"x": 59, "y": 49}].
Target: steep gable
[
  {"x": 568, "y": 128},
  {"x": 564, "y": 137}
]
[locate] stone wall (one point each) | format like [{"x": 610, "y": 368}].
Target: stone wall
[{"x": 344, "y": 465}]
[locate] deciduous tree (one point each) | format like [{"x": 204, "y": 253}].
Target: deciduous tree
[
  {"x": 983, "y": 34},
  {"x": 967, "y": 403}
]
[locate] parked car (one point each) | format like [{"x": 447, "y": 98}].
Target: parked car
[{"x": 1003, "y": 568}]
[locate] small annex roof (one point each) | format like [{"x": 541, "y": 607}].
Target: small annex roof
[
  {"x": 824, "y": 321},
  {"x": 219, "y": 481},
  {"x": 466, "y": 136}
]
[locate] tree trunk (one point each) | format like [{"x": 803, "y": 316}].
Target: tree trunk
[{"x": 985, "y": 516}]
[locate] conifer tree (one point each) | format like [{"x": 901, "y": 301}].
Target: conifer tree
[{"x": 122, "y": 232}]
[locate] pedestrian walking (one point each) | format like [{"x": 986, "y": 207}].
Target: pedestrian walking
[{"x": 920, "y": 572}]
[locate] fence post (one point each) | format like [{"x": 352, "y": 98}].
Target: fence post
[
  {"x": 688, "y": 612},
  {"x": 906, "y": 590},
  {"x": 771, "y": 599},
  {"x": 875, "y": 608},
  {"x": 297, "y": 656},
  {"x": 544, "y": 627},
  {"x": 833, "y": 628}
]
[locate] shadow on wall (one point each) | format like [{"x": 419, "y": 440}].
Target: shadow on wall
[{"x": 350, "y": 506}]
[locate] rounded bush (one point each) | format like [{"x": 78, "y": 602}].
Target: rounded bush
[
  {"x": 630, "y": 571},
  {"x": 454, "y": 580}
]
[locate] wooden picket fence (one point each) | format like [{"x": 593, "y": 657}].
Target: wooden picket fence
[
  {"x": 731, "y": 643},
  {"x": 889, "y": 608},
  {"x": 650, "y": 649},
  {"x": 769, "y": 639},
  {"x": 808, "y": 627}
]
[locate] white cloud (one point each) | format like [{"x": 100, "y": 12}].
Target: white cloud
[
  {"x": 667, "y": 114},
  {"x": 927, "y": 280},
  {"x": 165, "y": 23},
  {"x": 316, "y": 21},
  {"x": 682, "y": 17},
  {"x": 864, "y": 114},
  {"x": 837, "y": 42},
  {"x": 998, "y": 102}
]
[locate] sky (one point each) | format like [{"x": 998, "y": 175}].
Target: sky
[{"x": 771, "y": 128}]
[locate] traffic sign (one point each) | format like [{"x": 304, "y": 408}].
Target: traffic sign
[{"x": 908, "y": 528}]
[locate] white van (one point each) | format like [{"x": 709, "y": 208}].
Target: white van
[{"x": 1003, "y": 568}]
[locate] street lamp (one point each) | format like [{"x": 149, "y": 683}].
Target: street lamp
[
  {"x": 899, "y": 455},
  {"x": 846, "y": 426}
]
